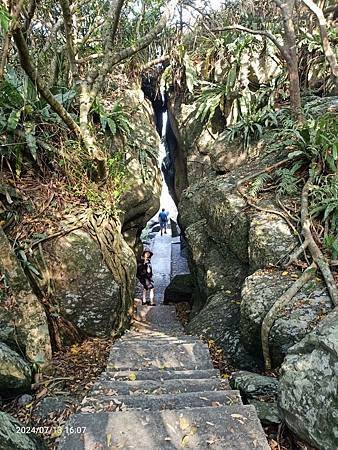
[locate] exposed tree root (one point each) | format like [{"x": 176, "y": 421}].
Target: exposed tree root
[
  {"x": 259, "y": 208},
  {"x": 319, "y": 260},
  {"x": 315, "y": 251},
  {"x": 271, "y": 316}
]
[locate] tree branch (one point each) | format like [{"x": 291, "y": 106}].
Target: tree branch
[
  {"x": 112, "y": 59},
  {"x": 112, "y": 24},
  {"x": 265, "y": 33},
  {"x": 153, "y": 62},
  {"x": 328, "y": 52},
  {"x": 27, "y": 65},
  {"x": 30, "y": 14},
  {"x": 53, "y": 33},
  {"x": 8, "y": 37},
  {"x": 68, "y": 24}
]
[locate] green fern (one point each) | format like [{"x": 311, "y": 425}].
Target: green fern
[
  {"x": 258, "y": 184},
  {"x": 288, "y": 180}
]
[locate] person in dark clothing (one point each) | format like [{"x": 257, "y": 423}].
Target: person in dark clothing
[
  {"x": 163, "y": 219},
  {"x": 145, "y": 276}
]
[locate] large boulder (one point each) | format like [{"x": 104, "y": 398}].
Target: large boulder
[
  {"x": 270, "y": 239},
  {"x": 253, "y": 385},
  {"x": 23, "y": 322},
  {"x": 218, "y": 320},
  {"x": 214, "y": 200},
  {"x": 180, "y": 289},
  {"x": 14, "y": 435},
  {"x": 308, "y": 386},
  {"x": 93, "y": 278},
  {"x": 15, "y": 372},
  {"x": 215, "y": 268},
  {"x": 259, "y": 293},
  {"x": 140, "y": 199}
]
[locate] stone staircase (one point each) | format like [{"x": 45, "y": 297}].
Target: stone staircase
[{"x": 159, "y": 392}]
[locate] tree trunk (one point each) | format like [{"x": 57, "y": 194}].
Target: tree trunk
[
  {"x": 99, "y": 159},
  {"x": 290, "y": 44}
]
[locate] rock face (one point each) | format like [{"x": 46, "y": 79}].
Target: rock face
[
  {"x": 93, "y": 279},
  {"x": 235, "y": 249},
  {"x": 259, "y": 293},
  {"x": 179, "y": 290},
  {"x": 15, "y": 373},
  {"x": 253, "y": 385},
  {"x": 217, "y": 320},
  {"x": 12, "y": 439},
  {"x": 141, "y": 198},
  {"x": 23, "y": 321},
  {"x": 308, "y": 393}
]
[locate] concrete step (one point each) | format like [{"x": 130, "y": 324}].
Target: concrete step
[
  {"x": 157, "y": 314},
  {"x": 155, "y": 333},
  {"x": 232, "y": 428},
  {"x": 166, "y": 374},
  {"x": 145, "y": 345},
  {"x": 185, "y": 357},
  {"x": 157, "y": 340},
  {"x": 160, "y": 328},
  {"x": 142, "y": 387},
  {"x": 159, "y": 402}
]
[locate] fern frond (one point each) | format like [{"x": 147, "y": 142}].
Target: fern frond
[{"x": 258, "y": 184}]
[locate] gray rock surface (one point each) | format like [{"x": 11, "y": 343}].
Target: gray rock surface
[
  {"x": 253, "y": 385},
  {"x": 259, "y": 293},
  {"x": 267, "y": 412},
  {"x": 179, "y": 290},
  {"x": 15, "y": 372},
  {"x": 218, "y": 320},
  {"x": 13, "y": 435},
  {"x": 165, "y": 374},
  {"x": 146, "y": 356},
  {"x": 215, "y": 268},
  {"x": 270, "y": 239},
  {"x": 23, "y": 325},
  {"x": 158, "y": 402},
  {"x": 308, "y": 386},
  {"x": 96, "y": 300}
]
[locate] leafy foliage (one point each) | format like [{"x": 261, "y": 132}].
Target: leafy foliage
[
  {"x": 115, "y": 119},
  {"x": 324, "y": 200},
  {"x": 288, "y": 180},
  {"x": 258, "y": 184}
]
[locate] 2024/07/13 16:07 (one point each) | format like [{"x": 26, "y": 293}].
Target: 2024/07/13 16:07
[{"x": 50, "y": 430}]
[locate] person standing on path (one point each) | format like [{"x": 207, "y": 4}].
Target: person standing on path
[
  {"x": 145, "y": 276},
  {"x": 163, "y": 219}
]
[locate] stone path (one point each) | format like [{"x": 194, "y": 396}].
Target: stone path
[{"x": 160, "y": 391}]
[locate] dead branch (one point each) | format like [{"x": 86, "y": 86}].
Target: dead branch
[{"x": 154, "y": 62}]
